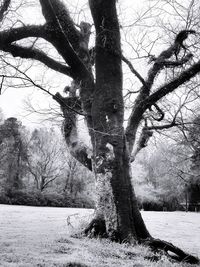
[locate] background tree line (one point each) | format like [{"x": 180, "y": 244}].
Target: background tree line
[
  {"x": 37, "y": 170},
  {"x": 168, "y": 176}
]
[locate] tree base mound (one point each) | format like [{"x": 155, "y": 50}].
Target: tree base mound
[{"x": 97, "y": 228}]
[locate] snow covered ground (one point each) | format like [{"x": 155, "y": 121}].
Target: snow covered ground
[{"x": 29, "y": 233}]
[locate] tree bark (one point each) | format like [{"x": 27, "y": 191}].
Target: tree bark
[{"x": 116, "y": 203}]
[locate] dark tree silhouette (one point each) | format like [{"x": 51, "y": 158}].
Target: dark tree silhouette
[
  {"x": 13, "y": 153},
  {"x": 100, "y": 101}
]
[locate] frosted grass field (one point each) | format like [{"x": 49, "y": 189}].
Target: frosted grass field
[
  {"x": 40, "y": 236},
  {"x": 180, "y": 228}
]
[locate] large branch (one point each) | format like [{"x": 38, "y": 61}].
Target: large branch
[
  {"x": 143, "y": 100},
  {"x": 77, "y": 149},
  {"x": 4, "y": 8},
  {"x": 63, "y": 35},
  {"x": 52, "y": 35},
  {"x": 171, "y": 63},
  {"x": 147, "y": 133},
  {"x": 16, "y": 34},
  {"x": 142, "y": 142},
  {"x": 162, "y": 61},
  {"x": 143, "y": 103},
  {"x": 36, "y": 54},
  {"x": 57, "y": 15},
  {"x": 135, "y": 119},
  {"x": 78, "y": 71},
  {"x": 62, "y": 45},
  {"x": 161, "y": 127},
  {"x": 133, "y": 70},
  {"x": 174, "y": 84}
]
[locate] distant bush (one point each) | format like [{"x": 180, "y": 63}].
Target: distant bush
[
  {"x": 83, "y": 202},
  {"x": 4, "y": 199},
  {"x": 20, "y": 197},
  {"x": 74, "y": 264},
  {"x": 37, "y": 198},
  {"x": 54, "y": 199},
  {"x": 160, "y": 206}
]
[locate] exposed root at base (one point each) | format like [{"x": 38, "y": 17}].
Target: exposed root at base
[
  {"x": 97, "y": 228},
  {"x": 177, "y": 253}
]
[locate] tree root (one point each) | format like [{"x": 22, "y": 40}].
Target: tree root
[
  {"x": 97, "y": 228},
  {"x": 178, "y": 254}
]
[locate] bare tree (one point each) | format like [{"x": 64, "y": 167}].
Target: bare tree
[
  {"x": 13, "y": 153},
  {"x": 46, "y": 160},
  {"x": 99, "y": 98}
]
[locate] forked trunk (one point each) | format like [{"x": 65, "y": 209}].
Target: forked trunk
[{"x": 117, "y": 203}]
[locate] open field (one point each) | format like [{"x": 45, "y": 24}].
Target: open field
[{"x": 40, "y": 236}]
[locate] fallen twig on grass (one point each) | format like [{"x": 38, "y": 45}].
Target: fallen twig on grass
[{"x": 69, "y": 218}]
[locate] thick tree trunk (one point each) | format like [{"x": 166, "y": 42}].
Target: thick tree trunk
[{"x": 117, "y": 203}]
